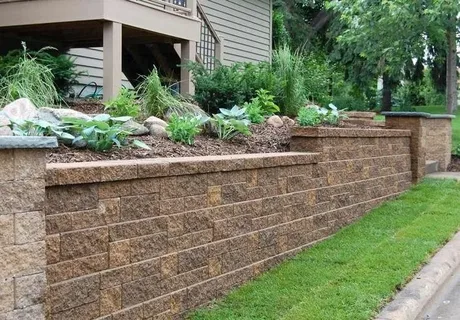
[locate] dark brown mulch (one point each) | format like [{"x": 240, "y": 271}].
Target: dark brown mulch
[
  {"x": 88, "y": 106},
  {"x": 264, "y": 139},
  {"x": 454, "y": 166}
]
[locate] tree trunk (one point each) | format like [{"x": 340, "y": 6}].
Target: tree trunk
[
  {"x": 386, "y": 93},
  {"x": 452, "y": 77}
]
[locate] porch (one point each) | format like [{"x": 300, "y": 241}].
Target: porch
[{"x": 119, "y": 26}]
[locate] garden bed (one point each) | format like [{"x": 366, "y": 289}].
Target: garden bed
[
  {"x": 264, "y": 139},
  {"x": 454, "y": 166}
]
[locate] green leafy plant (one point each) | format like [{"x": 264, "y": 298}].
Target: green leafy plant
[
  {"x": 185, "y": 128},
  {"x": 124, "y": 104},
  {"x": 308, "y": 117},
  {"x": 254, "y": 112},
  {"x": 102, "y": 132},
  {"x": 39, "y": 128},
  {"x": 28, "y": 79},
  {"x": 230, "y": 122}
]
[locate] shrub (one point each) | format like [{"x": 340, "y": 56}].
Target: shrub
[
  {"x": 254, "y": 112},
  {"x": 123, "y": 105},
  {"x": 28, "y": 79},
  {"x": 62, "y": 67},
  {"x": 185, "y": 128},
  {"x": 101, "y": 133},
  {"x": 230, "y": 123},
  {"x": 288, "y": 67}
]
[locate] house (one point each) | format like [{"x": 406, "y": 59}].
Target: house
[{"x": 115, "y": 41}]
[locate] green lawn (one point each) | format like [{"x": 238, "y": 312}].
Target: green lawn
[{"x": 351, "y": 275}]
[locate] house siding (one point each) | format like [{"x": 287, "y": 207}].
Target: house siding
[{"x": 245, "y": 26}]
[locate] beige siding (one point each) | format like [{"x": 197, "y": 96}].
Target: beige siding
[
  {"x": 246, "y": 27},
  {"x": 89, "y": 60}
]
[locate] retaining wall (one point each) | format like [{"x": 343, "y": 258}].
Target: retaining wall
[{"x": 152, "y": 239}]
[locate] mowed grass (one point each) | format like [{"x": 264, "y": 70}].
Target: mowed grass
[{"x": 353, "y": 274}]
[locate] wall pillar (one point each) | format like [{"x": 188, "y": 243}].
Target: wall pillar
[
  {"x": 22, "y": 227},
  {"x": 112, "y": 59},
  {"x": 431, "y": 138},
  {"x": 188, "y": 53}
]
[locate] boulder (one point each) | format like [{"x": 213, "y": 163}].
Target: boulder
[
  {"x": 135, "y": 128},
  {"x": 55, "y": 116},
  {"x": 154, "y": 121},
  {"x": 290, "y": 122},
  {"x": 158, "y": 131},
  {"x": 187, "y": 108},
  {"x": 4, "y": 121},
  {"x": 21, "y": 109},
  {"x": 6, "y": 131},
  {"x": 275, "y": 121}
]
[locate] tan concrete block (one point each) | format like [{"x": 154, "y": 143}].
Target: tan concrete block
[
  {"x": 53, "y": 248},
  {"x": 183, "y": 186},
  {"x": 59, "y": 272},
  {"x": 169, "y": 266},
  {"x": 119, "y": 253},
  {"x": 120, "y": 170},
  {"x": 172, "y": 206},
  {"x": 234, "y": 193},
  {"x": 29, "y": 164},
  {"x": 115, "y": 277},
  {"x": 145, "y": 186},
  {"x": 139, "y": 207},
  {"x": 87, "y": 311},
  {"x": 141, "y": 290},
  {"x": 114, "y": 189},
  {"x": 83, "y": 243},
  {"x": 193, "y": 259},
  {"x": 110, "y": 300},
  {"x": 34, "y": 312},
  {"x": 30, "y": 290},
  {"x": 214, "y": 196},
  {"x": 68, "y": 295},
  {"x": 149, "y": 247},
  {"x": 146, "y": 268},
  {"x": 71, "y": 198},
  {"x": 7, "y": 167},
  {"x": 134, "y": 313},
  {"x": 7, "y": 229},
  {"x": 22, "y": 196},
  {"x": 134, "y": 229},
  {"x": 215, "y": 266},
  {"x": 29, "y": 227},
  {"x": 6, "y": 295},
  {"x": 157, "y": 306},
  {"x": 92, "y": 264},
  {"x": 196, "y": 202},
  {"x": 58, "y": 223},
  {"x": 19, "y": 260}
]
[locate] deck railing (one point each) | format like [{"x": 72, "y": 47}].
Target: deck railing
[{"x": 183, "y": 7}]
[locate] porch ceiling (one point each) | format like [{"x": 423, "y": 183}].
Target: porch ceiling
[{"x": 80, "y": 21}]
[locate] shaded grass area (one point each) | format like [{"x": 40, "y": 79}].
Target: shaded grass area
[{"x": 354, "y": 273}]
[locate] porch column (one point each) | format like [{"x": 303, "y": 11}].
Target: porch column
[
  {"x": 112, "y": 59},
  {"x": 188, "y": 53}
]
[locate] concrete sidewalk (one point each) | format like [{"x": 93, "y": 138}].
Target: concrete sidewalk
[
  {"x": 445, "y": 175},
  {"x": 446, "y": 303}
]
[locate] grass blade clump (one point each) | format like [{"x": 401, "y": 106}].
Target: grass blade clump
[{"x": 28, "y": 79}]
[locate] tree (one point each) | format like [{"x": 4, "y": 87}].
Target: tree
[{"x": 385, "y": 34}]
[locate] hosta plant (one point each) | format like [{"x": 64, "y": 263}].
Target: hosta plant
[
  {"x": 36, "y": 127},
  {"x": 230, "y": 122},
  {"x": 185, "y": 128}
]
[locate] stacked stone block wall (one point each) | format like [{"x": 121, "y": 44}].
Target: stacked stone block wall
[
  {"x": 438, "y": 141},
  {"x": 153, "y": 239},
  {"x": 22, "y": 234}
]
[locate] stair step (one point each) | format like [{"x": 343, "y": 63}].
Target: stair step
[{"x": 431, "y": 166}]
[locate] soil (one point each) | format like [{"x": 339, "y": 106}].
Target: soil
[
  {"x": 87, "y": 106},
  {"x": 264, "y": 139},
  {"x": 455, "y": 164}
]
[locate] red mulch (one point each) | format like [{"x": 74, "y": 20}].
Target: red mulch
[
  {"x": 455, "y": 164},
  {"x": 264, "y": 139}
]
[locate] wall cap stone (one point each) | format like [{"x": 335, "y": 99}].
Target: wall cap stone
[
  {"x": 28, "y": 142},
  {"x": 323, "y": 132},
  {"x": 418, "y": 115},
  {"x": 103, "y": 171}
]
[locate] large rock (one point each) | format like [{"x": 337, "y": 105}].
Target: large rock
[
  {"x": 154, "y": 121},
  {"x": 158, "y": 131},
  {"x": 135, "y": 128},
  {"x": 275, "y": 121},
  {"x": 187, "y": 109},
  {"x": 21, "y": 109},
  {"x": 55, "y": 116},
  {"x": 6, "y": 131},
  {"x": 290, "y": 122}
]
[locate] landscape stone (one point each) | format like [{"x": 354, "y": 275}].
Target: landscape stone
[
  {"x": 69, "y": 113},
  {"x": 47, "y": 114},
  {"x": 290, "y": 122},
  {"x": 135, "y": 128},
  {"x": 6, "y": 131},
  {"x": 22, "y": 109},
  {"x": 154, "y": 121},
  {"x": 275, "y": 121},
  {"x": 4, "y": 121},
  {"x": 158, "y": 131}
]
